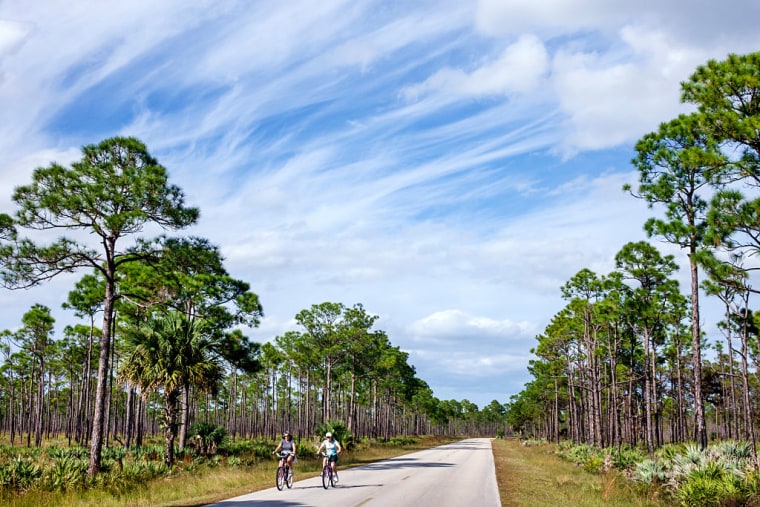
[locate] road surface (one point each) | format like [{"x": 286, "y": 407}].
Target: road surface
[{"x": 459, "y": 474}]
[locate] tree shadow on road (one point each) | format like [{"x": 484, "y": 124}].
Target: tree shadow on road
[
  {"x": 405, "y": 463},
  {"x": 259, "y": 503}
]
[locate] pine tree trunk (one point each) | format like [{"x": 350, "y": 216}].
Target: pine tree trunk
[
  {"x": 699, "y": 407},
  {"x": 96, "y": 441}
]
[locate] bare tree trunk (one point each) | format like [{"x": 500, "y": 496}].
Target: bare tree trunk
[
  {"x": 700, "y": 427},
  {"x": 351, "y": 409},
  {"x": 96, "y": 443},
  {"x": 748, "y": 414},
  {"x": 649, "y": 430},
  {"x": 733, "y": 427},
  {"x": 170, "y": 431},
  {"x": 39, "y": 402},
  {"x": 556, "y": 410},
  {"x": 680, "y": 426},
  {"x": 326, "y": 394}
]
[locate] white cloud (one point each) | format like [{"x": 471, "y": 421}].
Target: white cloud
[
  {"x": 478, "y": 362},
  {"x": 699, "y": 23},
  {"x": 550, "y": 17},
  {"x": 610, "y": 99},
  {"x": 12, "y": 35},
  {"x": 456, "y": 325},
  {"x": 518, "y": 69},
  {"x": 18, "y": 172},
  {"x": 613, "y": 94}
]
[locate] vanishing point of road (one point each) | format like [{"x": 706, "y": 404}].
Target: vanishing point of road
[{"x": 460, "y": 474}]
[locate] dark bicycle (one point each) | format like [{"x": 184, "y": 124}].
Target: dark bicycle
[
  {"x": 284, "y": 473},
  {"x": 329, "y": 478}
]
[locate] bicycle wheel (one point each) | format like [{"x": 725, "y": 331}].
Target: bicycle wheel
[
  {"x": 326, "y": 476},
  {"x": 280, "y": 478},
  {"x": 289, "y": 478}
]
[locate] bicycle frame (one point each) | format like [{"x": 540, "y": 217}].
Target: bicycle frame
[
  {"x": 284, "y": 474},
  {"x": 329, "y": 475}
]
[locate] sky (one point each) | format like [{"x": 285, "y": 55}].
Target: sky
[{"x": 448, "y": 164}]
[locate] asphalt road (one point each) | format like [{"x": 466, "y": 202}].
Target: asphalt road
[{"x": 459, "y": 474}]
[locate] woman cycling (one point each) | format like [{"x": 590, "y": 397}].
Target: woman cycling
[
  {"x": 332, "y": 449},
  {"x": 288, "y": 449}
]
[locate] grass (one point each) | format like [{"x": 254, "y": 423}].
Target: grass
[
  {"x": 535, "y": 476},
  {"x": 205, "y": 484}
]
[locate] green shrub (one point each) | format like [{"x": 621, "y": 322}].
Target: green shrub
[
  {"x": 67, "y": 473},
  {"x": 626, "y": 458},
  {"x": 258, "y": 448},
  {"x": 579, "y": 454},
  {"x": 308, "y": 449},
  {"x": 734, "y": 450},
  {"x": 114, "y": 453},
  {"x": 206, "y": 438},
  {"x": 338, "y": 429},
  {"x": 400, "y": 441},
  {"x": 148, "y": 452},
  {"x": 751, "y": 486},
  {"x": 649, "y": 472},
  {"x": 709, "y": 486},
  {"x": 20, "y": 474},
  {"x": 699, "y": 492},
  {"x": 669, "y": 451},
  {"x": 593, "y": 464},
  {"x": 692, "y": 453}
]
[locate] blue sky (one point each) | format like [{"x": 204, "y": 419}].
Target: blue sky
[{"x": 448, "y": 164}]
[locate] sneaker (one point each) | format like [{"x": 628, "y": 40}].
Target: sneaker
[{"x": 335, "y": 477}]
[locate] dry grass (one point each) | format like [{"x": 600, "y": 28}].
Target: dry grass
[{"x": 534, "y": 476}]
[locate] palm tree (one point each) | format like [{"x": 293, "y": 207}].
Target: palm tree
[{"x": 170, "y": 353}]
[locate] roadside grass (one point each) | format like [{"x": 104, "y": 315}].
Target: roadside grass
[
  {"x": 535, "y": 476},
  {"x": 208, "y": 484}
]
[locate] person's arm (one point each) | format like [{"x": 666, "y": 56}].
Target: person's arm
[
  {"x": 279, "y": 446},
  {"x": 319, "y": 449},
  {"x": 339, "y": 448},
  {"x": 294, "y": 448}
]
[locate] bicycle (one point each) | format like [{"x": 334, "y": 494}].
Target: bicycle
[
  {"x": 329, "y": 477},
  {"x": 284, "y": 475}
]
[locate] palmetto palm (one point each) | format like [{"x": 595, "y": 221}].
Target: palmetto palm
[{"x": 167, "y": 354}]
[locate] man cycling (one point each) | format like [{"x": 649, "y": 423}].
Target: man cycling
[
  {"x": 288, "y": 450},
  {"x": 332, "y": 449}
]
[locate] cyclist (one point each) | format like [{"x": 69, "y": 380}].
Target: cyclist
[
  {"x": 332, "y": 449},
  {"x": 288, "y": 450}
]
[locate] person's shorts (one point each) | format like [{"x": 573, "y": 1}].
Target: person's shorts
[{"x": 332, "y": 458}]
